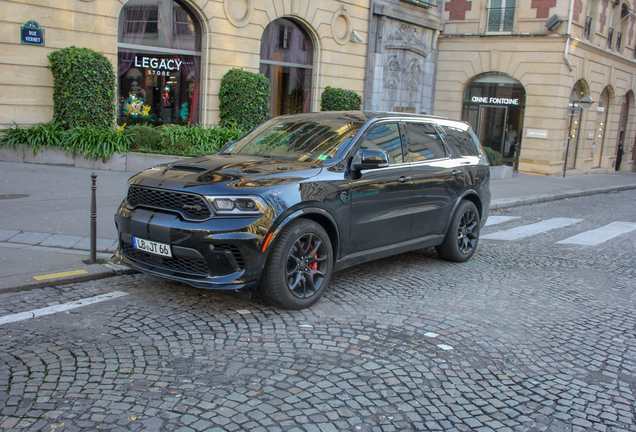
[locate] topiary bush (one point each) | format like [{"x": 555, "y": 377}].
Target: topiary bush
[
  {"x": 244, "y": 99},
  {"x": 84, "y": 89},
  {"x": 144, "y": 136},
  {"x": 493, "y": 156},
  {"x": 337, "y": 99}
]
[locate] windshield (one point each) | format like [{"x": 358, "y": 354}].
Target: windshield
[{"x": 307, "y": 140}]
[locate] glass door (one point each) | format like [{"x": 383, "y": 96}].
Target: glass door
[{"x": 492, "y": 126}]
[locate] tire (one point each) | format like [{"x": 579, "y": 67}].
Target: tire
[
  {"x": 299, "y": 266},
  {"x": 463, "y": 234}
]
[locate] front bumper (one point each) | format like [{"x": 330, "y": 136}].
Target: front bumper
[{"x": 218, "y": 253}]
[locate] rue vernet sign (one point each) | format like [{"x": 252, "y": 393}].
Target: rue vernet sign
[
  {"x": 495, "y": 101},
  {"x": 32, "y": 34},
  {"x": 158, "y": 66}
]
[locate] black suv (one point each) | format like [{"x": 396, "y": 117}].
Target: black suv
[{"x": 304, "y": 195}]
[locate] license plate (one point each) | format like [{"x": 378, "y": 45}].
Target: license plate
[{"x": 152, "y": 247}]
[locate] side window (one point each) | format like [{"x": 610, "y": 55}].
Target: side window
[
  {"x": 385, "y": 137},
  {"x": 423, "y": 142},
  {"x": 461, "y": 141}
]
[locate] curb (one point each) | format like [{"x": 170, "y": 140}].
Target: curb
[
  {"x": 535, "y": 199},
  {"x": 25, "y": 282}
]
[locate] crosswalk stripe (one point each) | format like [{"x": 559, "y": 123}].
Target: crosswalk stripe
[
  {"x": 600, "y": 235},
  {"x": 532, "y": 229},
  {"x": 494, "y": 220}
]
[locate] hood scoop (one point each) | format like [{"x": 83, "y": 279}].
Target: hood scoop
[{"x": 190, "y": 168}]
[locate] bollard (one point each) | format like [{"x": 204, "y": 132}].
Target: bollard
[{"x": 93, "y": 219}]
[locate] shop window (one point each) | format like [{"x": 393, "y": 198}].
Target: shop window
[
  {"x": 602, "y": 114},
  {"x": 287, "y": 61},
  {"x": 159, "y": 69}
]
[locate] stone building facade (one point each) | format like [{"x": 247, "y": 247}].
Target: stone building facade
[
  {"x": 402, "y": 56},
  {"x": 520, "y": 71},
  {"x": 170, "y": 55}
]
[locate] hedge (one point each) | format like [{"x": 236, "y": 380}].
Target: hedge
[
  {"x": 337, "y": 99},
  {"x": 493, "y": 156},
  {"x": 244, "y": 99},
  {"x": 84, "y": 88}
]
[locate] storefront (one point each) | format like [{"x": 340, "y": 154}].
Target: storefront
[
  {"x": 158, "y": 63},
  {"x": 494, "y": 105}
]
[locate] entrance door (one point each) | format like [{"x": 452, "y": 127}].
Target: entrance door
[
  {"x": 622, "y": 127},
  {"x": 492, "y": 126}
]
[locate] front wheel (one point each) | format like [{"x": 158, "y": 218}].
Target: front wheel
[
  {"x": 299, "y": 266},
  {"x": 463, "y": 234}
]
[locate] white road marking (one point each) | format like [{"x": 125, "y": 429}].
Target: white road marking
[
  {"x": 60, "y": 308},
  {"x": 532, "y": 229},
  {"x": 600, "y": 235},
  {"x": 444, "y": 347},
  {"x": 494, "y": 220}
]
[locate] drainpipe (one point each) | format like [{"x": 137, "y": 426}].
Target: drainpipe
[{"x": 567, "y": 42}]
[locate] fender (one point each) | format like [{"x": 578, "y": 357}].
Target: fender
[
  {"x": 277, "y": 228},
  {"x": 459, "y": 199}
]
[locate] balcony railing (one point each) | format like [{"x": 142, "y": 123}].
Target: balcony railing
[
  {"x": 619, "y": 39},
  {"x": 500, "y": 19},
  {"x": 610, "y": 36},
  {"x": 588, "y": 27}
]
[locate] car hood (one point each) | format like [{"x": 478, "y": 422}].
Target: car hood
[{"x": 230, "y": 174}]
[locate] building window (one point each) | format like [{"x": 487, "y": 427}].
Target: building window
[
  {"x": 610, "y": 37},
  {"x": 159, "y": 69},
  {"x": 501, "y": 15},
  {"x": 287, "y": 60},
  {"x": 588, "y": 27}
]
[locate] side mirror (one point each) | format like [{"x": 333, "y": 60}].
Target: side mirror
[{"x": 370, "y": 159}]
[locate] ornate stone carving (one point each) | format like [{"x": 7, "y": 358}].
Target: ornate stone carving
[{"x": 407, "y": 37}]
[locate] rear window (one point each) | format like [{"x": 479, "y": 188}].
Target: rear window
[{"x": 461, "y": 141}]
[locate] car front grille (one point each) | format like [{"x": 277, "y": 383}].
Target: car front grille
[
  {"x": 181, "y": 264},
  {"x": 189, "y": 205}
]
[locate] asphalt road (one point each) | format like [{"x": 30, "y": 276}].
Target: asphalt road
[{"x": 530, "y": 335}]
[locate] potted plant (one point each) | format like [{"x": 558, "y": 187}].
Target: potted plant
[{"x": 497, "y": 169}]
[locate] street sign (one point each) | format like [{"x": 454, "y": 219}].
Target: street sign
[
  {"x": 586, "y": 102},
  {"x": 32, "y": 34}
]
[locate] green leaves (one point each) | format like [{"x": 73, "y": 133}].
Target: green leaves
[
  {"x": 244, "y": 99},
  {"x": 493, "y": 156},
  {"x": 337, "y": 99},
  {"x": 83, "y": 94}
]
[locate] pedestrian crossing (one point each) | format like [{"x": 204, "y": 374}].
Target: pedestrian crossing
[{"x": 591, "y": 237}]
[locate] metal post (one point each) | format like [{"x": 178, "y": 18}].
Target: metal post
[
  {"x": 567, "y": 147},
  {"x": 93, "y": 219}
]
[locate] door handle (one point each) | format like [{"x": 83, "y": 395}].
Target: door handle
[
  {"x": 405, "y": 179},
  {"x": 456, "y": 172}
]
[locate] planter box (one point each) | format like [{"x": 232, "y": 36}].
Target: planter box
[
  {"x": 500, "y": 172},
  {"x": 131, "y": 162}
]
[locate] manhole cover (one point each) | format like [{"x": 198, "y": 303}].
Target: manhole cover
[{"x": 13, "y": 196}]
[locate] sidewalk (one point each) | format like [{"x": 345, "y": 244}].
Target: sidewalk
[{"x": 45, "y": 217}]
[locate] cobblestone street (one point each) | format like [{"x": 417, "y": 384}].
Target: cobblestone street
[{"x": 529, "y": 335}]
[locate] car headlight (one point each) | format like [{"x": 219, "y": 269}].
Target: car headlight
[{"x": 237, "y": 205}]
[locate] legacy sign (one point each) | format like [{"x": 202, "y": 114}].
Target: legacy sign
[
  {"x": 158, "y": 66},
  {"x": 495, "y": 101}
]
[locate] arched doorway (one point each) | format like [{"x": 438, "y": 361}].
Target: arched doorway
[
  {"x": 575, "y": 115},
  {"x": 494, "y": 105},
  {"x": 287, "y": 60},
  {"x": 159, "y": 69},
  {"x": 622, "y": 129},
  {"x": 602, "y": 115}
]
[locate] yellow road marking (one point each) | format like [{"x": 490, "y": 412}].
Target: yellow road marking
[{"x": 59, "y": 275}]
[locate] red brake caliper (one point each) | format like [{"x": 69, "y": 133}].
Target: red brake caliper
[{"x": 314, "y": 266}]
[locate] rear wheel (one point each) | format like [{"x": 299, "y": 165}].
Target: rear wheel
[
  {"x": 299, "y": 266},
  {"x": 463, "y": 234}
]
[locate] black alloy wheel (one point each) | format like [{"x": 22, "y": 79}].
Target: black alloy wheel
[
  {"x": 463, "y": 234},
  {"x": 299, "y": 266},
  {"x": 306, "y": 265}
]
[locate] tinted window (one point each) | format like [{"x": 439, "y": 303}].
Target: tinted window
[
  {"x": 423, "y": 142},
  {"x": 385, "y": 137},
  {"x": 461, "y": 141}
]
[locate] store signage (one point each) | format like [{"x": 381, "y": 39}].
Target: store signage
[
  {"x": 600, "y": 109},
  {"x": 495, "y": 101},
  {"x": 537, "y": 133},
  {"x": 158, "y": 66},
  {"x": 32, "y": 34}
]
